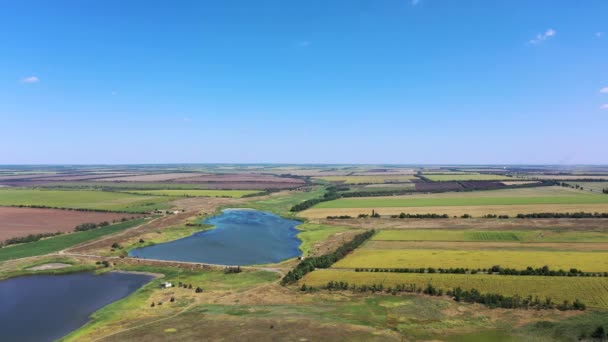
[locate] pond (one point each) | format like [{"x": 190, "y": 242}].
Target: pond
[
  {"x": 48, "y": 307},
  {"x": 241, "y": 237}
]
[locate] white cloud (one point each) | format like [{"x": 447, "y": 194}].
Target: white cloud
[
  {"x": 599, "y": 34},
  {"x": 604, "y": 90},
  {"x": 541, "y": 37},
  {"x": 604, "y": 106},
  {"x": 31, "y": 79}
]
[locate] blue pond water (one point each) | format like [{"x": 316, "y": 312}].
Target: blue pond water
[
  {"x": 47, "y": 307},
  {"x": 241, "y": 237}
]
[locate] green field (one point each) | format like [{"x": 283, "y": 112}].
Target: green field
[
  {"x": 491, "y": 236},
  {"x": 123, "y": 185},
  {"x": 414, "y": 258},
  {"x": 83, "y": 199},
  {"x": 61, "y": 242},
  {"x": 465, "y": 177},
  {"x": 369, "y": 179},
  {"x": 312, "y": 234},
  {"x": 547, "y": 195},
  {"x": 594, "y": 186},
  {"x": 196, "y": 193},
  {"x": 592, "y": 291},
  {"x": 281, "y": 204}
]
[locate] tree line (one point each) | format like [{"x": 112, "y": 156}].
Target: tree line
[
  {"x": 498, "y": 270},
  {"x": 492, "y": 300},
  {"x": 325, "y": 261},
  {"x": 37, "y": 206},
  {"x": 563, "y": 215}
]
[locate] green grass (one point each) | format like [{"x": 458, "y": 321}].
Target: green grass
[
  {"x": 312, "y": 234},
  {"x": 494, "y": 197},
  {"x": 83, "y": 199},
  {"x": 594, "y": 186},
  {"x": 58, "y": 243},
  {"x": 280, "y": 205},
  {"x": 196, "y": 193},
  {"x": 136, "y": 304}
]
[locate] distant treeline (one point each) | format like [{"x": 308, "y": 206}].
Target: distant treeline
[
  {"x": 374, "y": 214},
  {"x": 88, "y": 226},
  {"x": 563, "y": 215},
  {"x": 325, "y": 261},
  {"x": 28, "y": 238},
  {"x": 494, "y": 270},
  {"x": 77, "y": 209},
  {"x": 492, "y": 300}
]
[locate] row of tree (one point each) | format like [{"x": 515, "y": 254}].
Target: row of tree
[
  {"x": 529, "y": 271},
  {"x": 77, "y": 209},
  {"x": 325, "y": 261},
  {"x": 28, "y": 238},
  {"x": 88, "y": 226},
  {"x": 563, "y": 215},
  {"x": 492, "y": 300}
]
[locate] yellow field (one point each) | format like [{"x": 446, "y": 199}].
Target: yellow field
[
  {"x": 196, "y": 193},
  {"x": 369, "y": 179},
  {"x": 475, "y": 211},
  {"x": 591, "y": 291},
  {"x": 412, "y": 258}
]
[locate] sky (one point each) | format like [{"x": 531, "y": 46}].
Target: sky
[{"x": 309, "y": 81}]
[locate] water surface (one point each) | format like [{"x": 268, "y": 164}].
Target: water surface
[
  {"x": 48, "y": 307},
  {"x": 241, "y": 237}
]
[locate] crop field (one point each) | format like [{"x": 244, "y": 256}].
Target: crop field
[
  {"x": 16, "y": 222},
  {"x": 592, "y": 291},
  {"x": 569, "y": 177},
  {"x": 528, "y": 236},
  {"x": 58, "y": 243},
  {"x": 369, "y": 179},
  {"x": 82, "y": 199},
  {"x": 466, "y": 177},
  {"x": 476, "y": 203},
  {"x": 196, "y": 193},
  {"x": 413, "y": 258}
]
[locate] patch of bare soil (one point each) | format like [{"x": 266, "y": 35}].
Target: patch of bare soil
[{"x": 49, "y": 266}]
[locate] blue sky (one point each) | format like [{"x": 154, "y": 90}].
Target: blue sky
[{"x": 316, "y": 81}]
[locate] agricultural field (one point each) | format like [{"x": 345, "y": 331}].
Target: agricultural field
[
  {"x": 61, "y": 242},
  {"x": 448, "y": 177},
  {"x": 458, "y": 235},
  {"x": 83, "y": 199},
  {"x": 17, "y": 222},
  {"x": 390, "y": 258},
  {"x": 475, "y": 203},
  {"x": 196, "y": 193},
  {"x": 369, "y": 179},
  {"x": 598, "y": 187},
  {"x": 590, "y": 290}
]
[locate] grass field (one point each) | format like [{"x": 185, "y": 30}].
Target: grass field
[
  {"x": 592, "y": 291},
  {"x": 547, "y": 195},
  {"x": 83, "y": 199},
  {"x": 369, "y": 179},
  {"x": 280, "y": 205},
  {"x": 312, "y": 234},
  {"x": 413, "y": 258},
  {"x": 466, "y": 177},
  {"x": 61, "y": 242},
  {"x": 560, "y": 236},
  {"x": 476, "y": 203},
  {"x": 594, "y": 186},
  {"x": 196, "y": 193}
]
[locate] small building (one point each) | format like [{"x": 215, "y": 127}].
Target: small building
[{"x": 166, "y": 285}]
